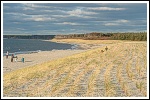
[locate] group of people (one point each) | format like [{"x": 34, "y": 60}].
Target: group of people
[{"x": 12, "y": 57}]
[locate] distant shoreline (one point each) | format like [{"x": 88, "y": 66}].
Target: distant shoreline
[{"x": 26, "y": 46}]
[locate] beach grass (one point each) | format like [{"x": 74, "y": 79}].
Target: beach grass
[
  {"x": 90, "y": 73},
  {"x": 81, "y": 41}
]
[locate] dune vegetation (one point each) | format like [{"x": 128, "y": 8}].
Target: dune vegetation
[
  {"x": 81, "y": 41},
  {"x": 120, "y": 71}
]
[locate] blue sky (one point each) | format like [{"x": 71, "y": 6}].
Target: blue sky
[{"x": 73, "y": 18}]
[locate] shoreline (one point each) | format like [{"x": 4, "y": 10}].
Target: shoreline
[
  {"x": 79, "y": 46},
  {"x": 39, "y": 57},
  {"x": 35, "y": 58},
  {"x": 31, "y": 50}
]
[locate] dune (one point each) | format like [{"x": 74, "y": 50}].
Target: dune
[{"x": 121, "y": 71}]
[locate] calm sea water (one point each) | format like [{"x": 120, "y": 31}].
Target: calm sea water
[{"x": 18, "y": 46}]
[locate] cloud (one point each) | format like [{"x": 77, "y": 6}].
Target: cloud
[
  {"x": 28, "y": 6},
  {"x": 39, "y": 18},
  {"x": 23, "y": 16},
  {"x": 60, "y": 16},
  {"x": 116, "y": 22},
  {"x": 73, "y": 17},
  {"x": 20, "y": 29},
  {"x": 122, "y": 21},
  {"x": 80, "y": 13},
  {"x": 111, "y": 24},
  {"x": 68, "y": 23},
  {"x": 33, "y": 6},
  {"x": 106, "y": 8},
  {"x": 12, "y": 13}
]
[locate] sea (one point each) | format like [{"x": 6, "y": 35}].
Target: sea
[{"x": 22, "y": 46}]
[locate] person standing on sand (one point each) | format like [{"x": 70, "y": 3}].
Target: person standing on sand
[
  {"x": 22, "y": 59},
  {"x": 7, "y": 53},
  {"x": 12, "y": 57}
]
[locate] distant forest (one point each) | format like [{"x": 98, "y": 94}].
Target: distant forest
[
  {"x": 141, "y": 36},
  {"x": 45, "y": 37}
]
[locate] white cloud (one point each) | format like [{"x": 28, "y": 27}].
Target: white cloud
[
  {"x": 69, "y": 23},
  {"x": 15, "y": 14},
  {"x": 116, "y": 22},
  {"x": 105, "y": 8},
  {"x": 83, "y": 16},
  {"x": 19, "y": 15},
  {"x": 80, "y": 13},
  {"x": 49, "y": 11},
  {"x": 122, "y": 21},
  {"x": 111, "y": 24},
  {"x": 28, "y": 6},
  {"x": 60, "y": 16},
  {"x": 33, "y": 6},
  {"x": 39, "y": 18}
]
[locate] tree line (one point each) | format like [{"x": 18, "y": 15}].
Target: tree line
[
  {"x": 45, "y": 37},
  {"x": 134, "y": 36}
]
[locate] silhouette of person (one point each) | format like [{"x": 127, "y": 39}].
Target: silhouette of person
[
  {"x": 7, "y": 53},
  {"x": 12, "y": 56}
]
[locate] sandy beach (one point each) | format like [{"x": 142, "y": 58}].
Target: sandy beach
[
  {"x": 44, "y": 56},
  {"x": 79, "y": 73},
  {"x": 35, "y": 58}
]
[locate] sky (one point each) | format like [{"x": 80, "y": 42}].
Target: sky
[{"x": 73, "y": 18}]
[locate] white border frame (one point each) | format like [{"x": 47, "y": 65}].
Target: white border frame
[{"x": 75, "y": 2}]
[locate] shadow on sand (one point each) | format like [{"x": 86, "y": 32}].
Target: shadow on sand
[{"x": 24, "y": 61}]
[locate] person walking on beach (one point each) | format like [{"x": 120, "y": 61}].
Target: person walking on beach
[
  {"x": 7, "y": 53},
  {"x": 12, "y": 56}
]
